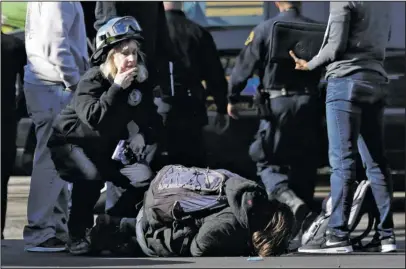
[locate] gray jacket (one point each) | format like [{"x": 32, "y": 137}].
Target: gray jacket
[
  {"x": 55, "y": 42},
  {"x": 356, "y": 38}
]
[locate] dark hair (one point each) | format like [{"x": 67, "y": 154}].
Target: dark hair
[{"x": 274, "y": 239}]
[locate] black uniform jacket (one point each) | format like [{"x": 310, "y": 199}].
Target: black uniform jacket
[
  {"x": 199, "y": 56},
  {"x": 255, "y": 57},
  {"x": 13, "y": 60},
  {"x": 98, "y": 114}
]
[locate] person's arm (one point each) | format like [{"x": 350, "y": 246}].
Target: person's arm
[
  {"x": 337, "y": 31},
  {"x": 104, "y": 11},
  {"x": 213, "y": 72},
  {"x": 59, "y": 17},
  {"x": 94, "y": 105},
  {"x": 220, "y": 235},
  {"x": 246, "y": 63}
]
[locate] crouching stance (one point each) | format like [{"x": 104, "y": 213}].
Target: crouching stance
[
  {"x": 110, "y": 121},
  {"x": 199, "y": 212}
]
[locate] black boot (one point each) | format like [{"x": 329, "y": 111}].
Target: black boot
[
  {"x": 299, "y": 208},
  {"x": 103, "y": 234}
]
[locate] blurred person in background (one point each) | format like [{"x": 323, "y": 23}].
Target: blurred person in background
[
  {"x": 12, "y": 63},
  {"x": 188, "y": 114},
  {"x": 88, "y": 11},
  {"x": 55, "y": 42}
]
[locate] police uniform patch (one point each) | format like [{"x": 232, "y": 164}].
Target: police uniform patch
[
  {"x": 250, "y": 38},
  {"x": 134, "y": 98}
]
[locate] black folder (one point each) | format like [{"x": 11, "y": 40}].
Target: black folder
[{"x": 305, "y": 39}]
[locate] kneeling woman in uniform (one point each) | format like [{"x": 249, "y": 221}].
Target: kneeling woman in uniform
[{"x": 109, "y": 130}]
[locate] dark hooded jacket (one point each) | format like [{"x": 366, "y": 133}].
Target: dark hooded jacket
[
  {"x": 225, "y": 233},
  {"x": 198, "y": 54}
]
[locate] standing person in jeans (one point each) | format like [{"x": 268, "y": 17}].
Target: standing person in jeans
[
  {"x": 55, "y": 39},
  {"x": 354, "y": 51}
]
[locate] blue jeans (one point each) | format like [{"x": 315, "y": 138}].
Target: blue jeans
[{"x": 354, "y": 111}]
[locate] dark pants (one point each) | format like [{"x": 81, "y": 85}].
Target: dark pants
[
  {"x": 74, "y": 165},
  {"x": 183, "y": 138},
  {"x": 8, "y": 153},
  {"x": 185, "y": 143},
  {"x": 286, "y": 148},
  {"x": 354, "y": 111},
  {"x": 88, "y": 173}
]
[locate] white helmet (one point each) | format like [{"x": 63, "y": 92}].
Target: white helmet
[{"x": 114, "y": 31}]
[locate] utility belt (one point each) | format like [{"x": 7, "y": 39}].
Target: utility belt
[
  {"x": 288, "y": 91},
  {"x": 262, "y": 98}
]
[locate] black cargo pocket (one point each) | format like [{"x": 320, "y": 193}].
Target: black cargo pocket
[{"x": 258, "y": 149}]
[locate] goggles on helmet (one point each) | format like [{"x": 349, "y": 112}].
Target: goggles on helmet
[
  {"x": 124, "y": 26},
  {"x": 115, "y": 30}
]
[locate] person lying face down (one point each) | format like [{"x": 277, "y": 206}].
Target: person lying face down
[{"x": 247, "y": 223}]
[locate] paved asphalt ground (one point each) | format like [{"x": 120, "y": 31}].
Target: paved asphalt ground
[{"x": 13, "y": 255}]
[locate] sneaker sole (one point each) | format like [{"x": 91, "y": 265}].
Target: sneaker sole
[
  {"x": 382, "y": 249},
  {"x": 388, "y": 248},
  {"x": 44, "y": 249},
  {"x": 337, "y": 250},
  {"x": 79, "y": 252}
]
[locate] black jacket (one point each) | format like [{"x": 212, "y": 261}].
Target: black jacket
[
  {"x": 98, "y": 114},
  {"x": 156, "y": 45},
  {"x": 255, "y": 57},
  {"x": 12, "y": 63},
  {"x": 225, "y": 233},
  {"x": 199, "y": 55},
  {"x": 89, "y": 16}
]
